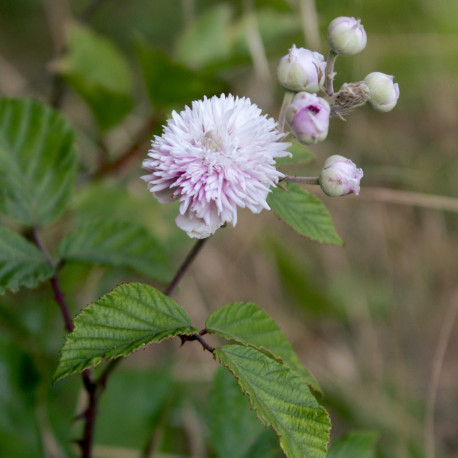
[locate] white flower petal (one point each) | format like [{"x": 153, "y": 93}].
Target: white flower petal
[{"x": 214, "y": 157}]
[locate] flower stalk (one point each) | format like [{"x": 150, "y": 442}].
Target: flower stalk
[
  {"x": 329, "y": 73},
  {"x": 300, "y": 180}
]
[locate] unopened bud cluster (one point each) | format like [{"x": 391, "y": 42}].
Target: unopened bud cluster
[{"x": 305, "y": 73}]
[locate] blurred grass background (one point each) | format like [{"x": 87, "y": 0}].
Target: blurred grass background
[{"x": 372, "y": 320}]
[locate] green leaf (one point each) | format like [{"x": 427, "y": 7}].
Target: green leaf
[
  {"x": 129, "y": 317},
  {"x": 208, "y": 39},
  {"x": 99, "y": 73},
  {"x": 233, "y": 426},
  {"x": 37, "y": 161},
  {"x": 300, "y": 154},
  {"x": 170, "y": 83},
  {"x": 305, "y": 213},
  {"x": 282, "y": 400},
  {"x": 117, "y": 243},
  {"x": 359, "y": 444},
  {"x": 248, "y": 324},
  {"x": 21, "y": 263}
]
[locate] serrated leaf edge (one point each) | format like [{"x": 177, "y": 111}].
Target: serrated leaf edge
[
  {"x": 266, "y": 351},
  {"x": 340, "y": 242},
  {"x": 187, "y": 331},
  {"x": 256, "y": 410},
  {"x": 270, "y": 354},
  {"x": 56, "y": 377}
]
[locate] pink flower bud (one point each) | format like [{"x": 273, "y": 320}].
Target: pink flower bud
[
  {"x": 308, "y": 117},
  {"x": 340, "y": 177},
  {"x": 346, "y": 36},
  {"x": 384, "y": 93},
  {"x": 301, "y": 70}
]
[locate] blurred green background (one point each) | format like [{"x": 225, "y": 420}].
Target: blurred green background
[{"x": 369, "y": 320}]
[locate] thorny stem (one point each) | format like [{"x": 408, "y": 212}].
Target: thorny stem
[
  {"x": 287, "y": 99},
  {"x": 300, "y": 180},
  {"x": 329, "y": 73},
  {"x": 199, "y": 338}
]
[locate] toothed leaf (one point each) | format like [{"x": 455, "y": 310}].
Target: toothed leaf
[
  {"x": 21, "y": 263},
  {"x": 129, "y": 317},
  {"x": 281, "y": 399},
  {"x": 248, "y": 324}
]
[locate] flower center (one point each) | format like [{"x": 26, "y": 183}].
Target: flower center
[{"x": 212, "y": 141}]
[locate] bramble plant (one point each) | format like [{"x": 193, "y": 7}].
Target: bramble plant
[{"x": 219, "y": 154}]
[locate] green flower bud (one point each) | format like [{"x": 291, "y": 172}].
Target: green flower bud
[
  {"x": 346, "y": 36},
  {"x": 301, "y": 70},
  {"x": 384, "y": 93}
]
